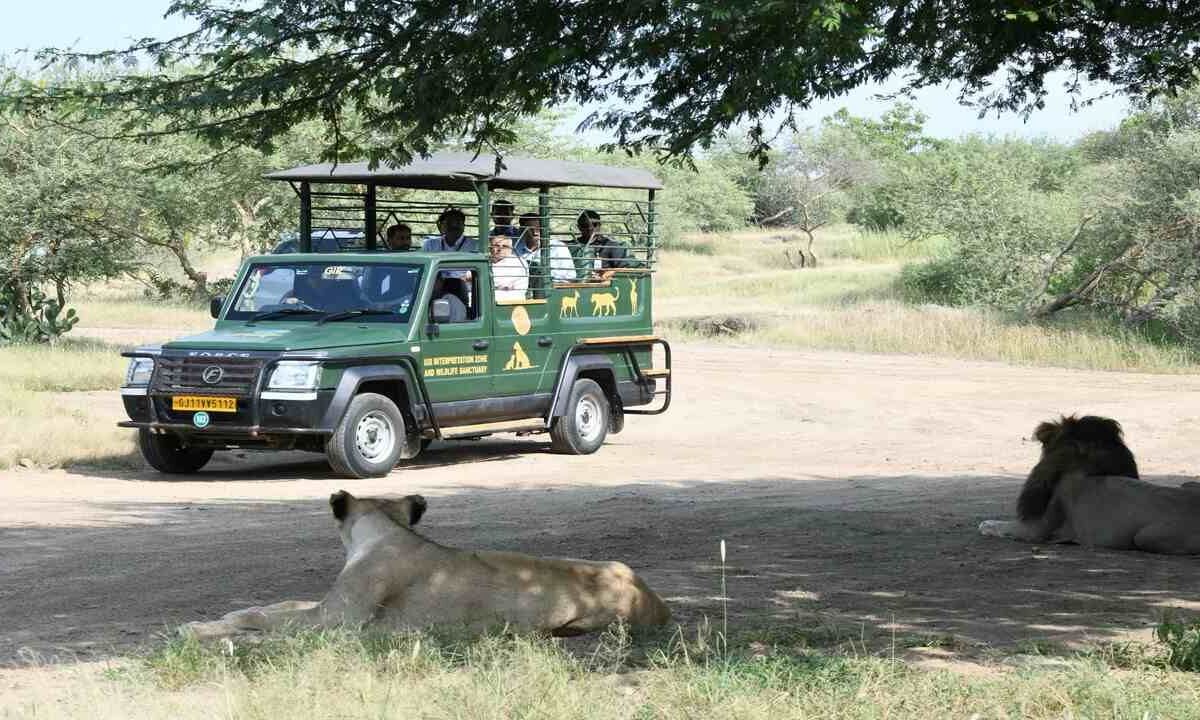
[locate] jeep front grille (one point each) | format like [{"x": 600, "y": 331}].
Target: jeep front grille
[{"x": 176, "y": 375}]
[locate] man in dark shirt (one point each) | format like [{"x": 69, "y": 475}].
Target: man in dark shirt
[{"x": 597, "y": 255}]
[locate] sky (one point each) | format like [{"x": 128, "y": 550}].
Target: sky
[{"x": 95, "y": 25}]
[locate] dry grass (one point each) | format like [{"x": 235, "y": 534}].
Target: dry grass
[
  {"x": 49, "y": 414},
  {"x": 421, "y": 676},
  {"x": 851, "y": 301},
  {"x": 121, "y": 304}
]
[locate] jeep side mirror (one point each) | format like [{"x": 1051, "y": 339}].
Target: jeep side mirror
[
  {"x": 214, "y": 306},
  {"x": 440, "y": 311}
]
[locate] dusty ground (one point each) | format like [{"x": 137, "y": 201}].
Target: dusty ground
[{"x": 848, "y": 488}]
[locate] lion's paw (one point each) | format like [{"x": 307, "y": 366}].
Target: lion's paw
[{"x": 206, "y": 630}]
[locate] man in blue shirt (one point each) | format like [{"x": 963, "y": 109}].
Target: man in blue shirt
[{"x": 451, "y": 224}]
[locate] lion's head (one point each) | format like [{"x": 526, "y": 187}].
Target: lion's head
[
  {"x": 405, "y": 512},
  {"x": 1091, "y": 445}
]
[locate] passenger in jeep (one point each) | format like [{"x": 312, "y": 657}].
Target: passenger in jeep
[
  {"x": 453, "y": 290},
  {"x": 597, "y": 255},
  {"x": 510, "y": 274},
  {"x": 398, "y": 238},
  {"x": 451, "y": 224}
]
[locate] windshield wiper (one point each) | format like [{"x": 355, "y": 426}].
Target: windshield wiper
[
  {"x": 353, "y": 313},
  {"x": 283, "y": 311}
]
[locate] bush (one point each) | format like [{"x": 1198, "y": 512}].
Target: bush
[
  {"x": 934, "y": 281},
  {"x": 1182, "y": 641}
]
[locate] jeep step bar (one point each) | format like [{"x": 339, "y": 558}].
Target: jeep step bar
[{"x": 465, "y": 431}]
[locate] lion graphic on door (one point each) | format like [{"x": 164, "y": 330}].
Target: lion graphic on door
[{"x": 605, "y": 303}]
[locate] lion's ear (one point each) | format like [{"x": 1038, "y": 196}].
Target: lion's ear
[
  {"x": 1113, "y": 427},
  {"x": 406, "y": 511},
  {"x": 339, "y": 502},
  {"x": 1047, "y": 432}
]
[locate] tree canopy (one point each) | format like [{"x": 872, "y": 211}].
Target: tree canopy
[{"x": 664, "y": 76}]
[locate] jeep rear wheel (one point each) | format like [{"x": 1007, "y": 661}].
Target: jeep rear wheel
[
  {"x": 166, "y": 453},
  {"x": 369, "y": 439},
  {"x": 582, "y": 429}
]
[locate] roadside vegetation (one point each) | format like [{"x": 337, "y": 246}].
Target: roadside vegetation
[
  {"x": 431, "y": 675},
  {"x": 738, "y": 288}
]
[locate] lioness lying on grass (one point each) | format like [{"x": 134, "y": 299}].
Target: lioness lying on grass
[
  {"x": 396, "y": 578},
  {"x": 1085, "y": 489}
]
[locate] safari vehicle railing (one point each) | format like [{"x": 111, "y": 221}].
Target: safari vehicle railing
[{"x": 354, "y": 197}]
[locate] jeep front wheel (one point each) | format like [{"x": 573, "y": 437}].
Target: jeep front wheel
[
  {"x": 166, "y": 453},
  {"x": 582, "y": 428},
  {"x": 369, "y": 439}
]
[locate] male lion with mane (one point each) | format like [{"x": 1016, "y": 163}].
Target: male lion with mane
[
  {"x": 396, "y": 578},
  {"x": 1085, "y": 489}
]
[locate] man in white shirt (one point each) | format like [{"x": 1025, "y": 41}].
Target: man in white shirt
[
  {"x": 510, "y": 274},
  {"x": 529, "y": 249},
  {"x": 451, "y": 224}
]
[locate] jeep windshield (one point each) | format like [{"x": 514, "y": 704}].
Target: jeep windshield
[{"x": 308, "y": 291}]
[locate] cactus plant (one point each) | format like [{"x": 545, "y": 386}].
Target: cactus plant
[{"x": 28, "y": 316}]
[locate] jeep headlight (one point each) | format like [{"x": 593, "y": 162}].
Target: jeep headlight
[
  {"x": 295, "y": 375},
  {"x": 139, "y": 371}
]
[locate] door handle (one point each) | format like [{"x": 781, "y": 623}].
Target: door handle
[
  {"x": 480, "y": 345},
  {"x": 545, "y": 341}
]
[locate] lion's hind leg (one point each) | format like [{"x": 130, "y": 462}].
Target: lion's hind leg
[{"x": 1167, "y": 540}]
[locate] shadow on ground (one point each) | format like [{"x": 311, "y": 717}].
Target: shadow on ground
[{"x": 868, "y": 557}]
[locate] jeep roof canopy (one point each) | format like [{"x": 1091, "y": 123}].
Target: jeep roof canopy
[{"x": 460, "y": 171}]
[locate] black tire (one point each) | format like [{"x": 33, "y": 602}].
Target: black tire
[
  {"x": 358, "y": 447},
  {"x": 166, "y": 454},
  {"x": 582, "y": 429}
]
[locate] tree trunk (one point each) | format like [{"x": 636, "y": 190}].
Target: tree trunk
[
  {"x": 1081, "y": 292},
  {"x": 199, "y": 279}
]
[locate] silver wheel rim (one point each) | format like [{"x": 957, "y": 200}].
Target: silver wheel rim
[
  {"x": 588, "y": 419},
  {"x": 375, "y": 437}
]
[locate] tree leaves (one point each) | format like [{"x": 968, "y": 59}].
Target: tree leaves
[{"x": 664, "y": 77}]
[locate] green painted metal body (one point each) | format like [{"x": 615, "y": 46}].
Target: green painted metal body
[{"x": 522, "y": 357}]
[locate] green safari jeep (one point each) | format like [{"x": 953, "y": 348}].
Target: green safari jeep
[{"x": 371, "y": 351}]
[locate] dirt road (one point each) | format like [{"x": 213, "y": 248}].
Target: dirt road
[{"x": 848, "y": 488}]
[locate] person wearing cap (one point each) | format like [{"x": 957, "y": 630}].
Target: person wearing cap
[
  {"x": 529, "y": 248},
  {"x": 597, "y": 255},
  {"x": 451, "y": 223},
  {"x": 502, "y": 214}
]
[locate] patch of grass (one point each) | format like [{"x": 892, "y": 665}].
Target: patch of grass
[
  {"x": 343, "y": 674},
  {"x": 967, "y": 333},
  {"x": 130, "y": 309},
  {"x": 1182, "y": 642},
  {"x": 854, "y": 301},
  {"x": 68, "y": 366},
  {"x": 45, "y": 416}
]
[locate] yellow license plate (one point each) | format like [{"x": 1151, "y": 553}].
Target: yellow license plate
[{"x": 202, "y": 402}]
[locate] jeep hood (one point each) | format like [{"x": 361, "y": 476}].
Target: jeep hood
[{"x": 286, "y": 336}]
